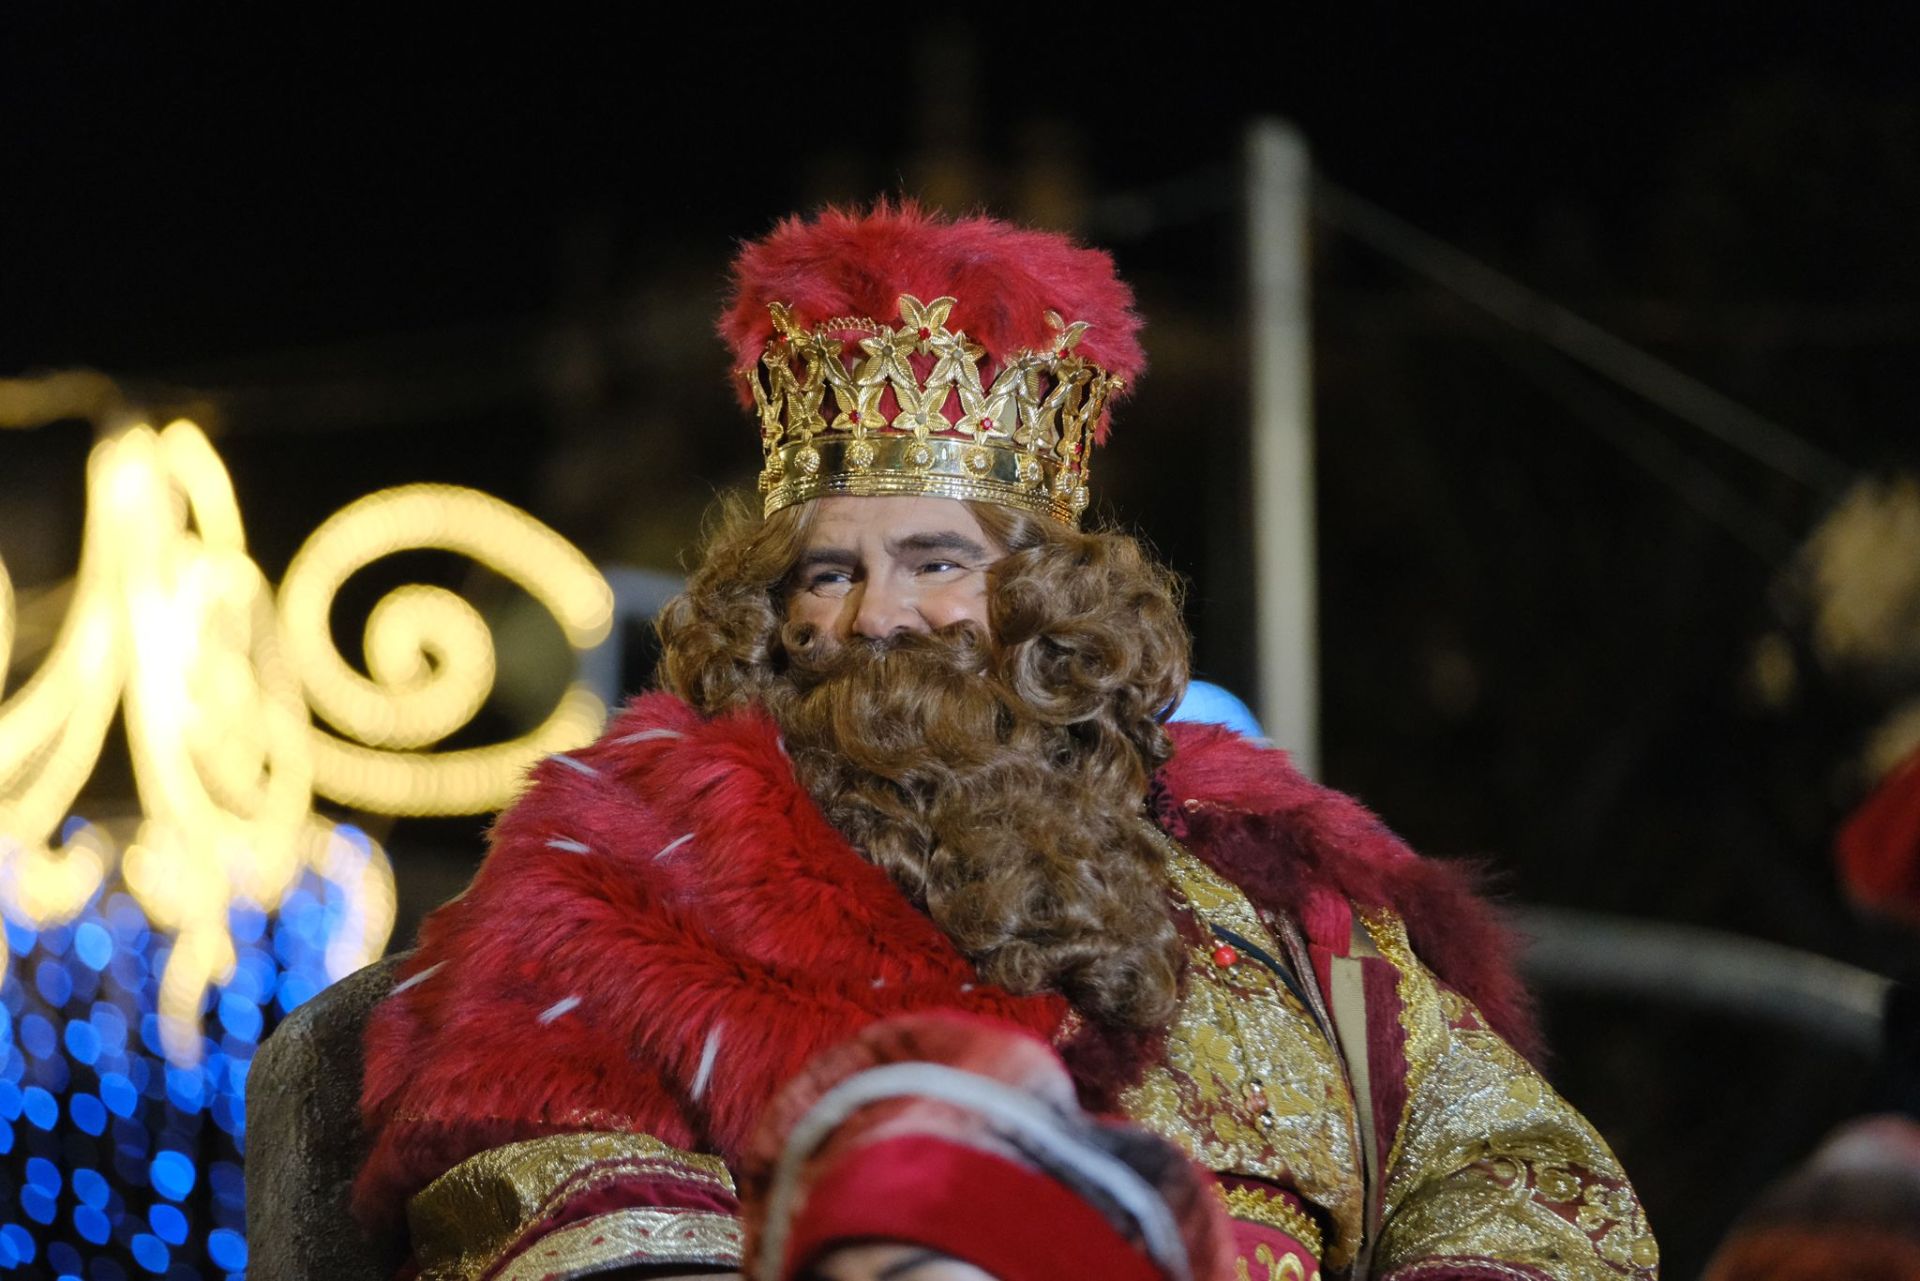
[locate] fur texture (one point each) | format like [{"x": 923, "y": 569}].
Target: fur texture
[
  {"x": 1005, "y": 279},
  {"x": 1295, "y": 846},
  {"x": 676, "y": 984}
]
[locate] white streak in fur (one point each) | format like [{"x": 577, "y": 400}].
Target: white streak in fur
[
  {"x": 558, "y": 1008},
  {"x": 573, "y": 764},
  {"x": 708, "y": 1053},
  {"x": 570, "y": 846},
  {"x": 419, "y": 978},
  {"x": 673, "y": 845},
  {"x": 647, "y": 736}
]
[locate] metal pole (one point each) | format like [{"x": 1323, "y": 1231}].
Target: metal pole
[{"x": 1279, "y": 171}]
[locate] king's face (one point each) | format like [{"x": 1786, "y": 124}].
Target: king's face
[{"x": 873, "y": 568}]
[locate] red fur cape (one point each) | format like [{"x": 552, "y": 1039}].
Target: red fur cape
[{"x": 667, "y": 929}]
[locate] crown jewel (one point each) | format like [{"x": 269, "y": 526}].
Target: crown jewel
[{"x": 854, "y": 406}]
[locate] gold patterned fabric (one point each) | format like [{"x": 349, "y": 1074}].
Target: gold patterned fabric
[
  {"x": 1488, "y": 1168},
  {"x": 1487, "y": 1160},
  {"x": 469, "y": 1219},
  {"x": 1249, "y": 1085}
]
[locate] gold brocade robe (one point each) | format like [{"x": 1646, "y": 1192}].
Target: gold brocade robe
[
  {"x": 1482, "y": 1170},
  {"x": 1484, "y": 1162}
]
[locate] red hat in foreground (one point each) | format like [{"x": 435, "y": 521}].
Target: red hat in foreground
[{"x": 964, "y": 1137}]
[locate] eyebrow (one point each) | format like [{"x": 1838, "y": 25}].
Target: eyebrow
[{"x": 943, "y": 540}]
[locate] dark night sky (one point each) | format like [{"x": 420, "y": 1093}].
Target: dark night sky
[{"x": 186, "y": 183}]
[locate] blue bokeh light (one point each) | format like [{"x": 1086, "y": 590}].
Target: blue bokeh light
[
  {"x": 55, "y": 982},
  {"x": 150, "y": 1252},
  {"x": 83, "y": 1042},
  {"x": 168, "y": 1224},
  {"x": 88, "y": 1113},
  {"x": 44, "y": 1175},
  {"x": 39, "y": 1204},
  {"x": 172, "y": 1174},
  {"x": 227, "y": 1248},
  {"x": 118, "y": 1094},
  {"x": 114, "y": 1163},
  {"x": 92, "y": 1224},
  {"x": 37, "y": 1038},
  {"x": 91, "y": 1187},
  {"x": 93, "y": 945},
  {"x": 40, "y": 1107},
  {"x": 18, "y": 1242}
]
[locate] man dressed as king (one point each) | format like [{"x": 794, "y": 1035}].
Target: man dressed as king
[{"x": 901, "y": 934}]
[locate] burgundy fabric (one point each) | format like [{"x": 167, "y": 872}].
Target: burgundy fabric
[
  {"x": 1386, "y": 1058},
  {"x": 1249, "y": 1237},
  {"x": 1879, "y": 847},
  {"x": 1017, "y": 1225}
]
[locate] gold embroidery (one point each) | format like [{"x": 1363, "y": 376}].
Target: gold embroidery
[
  {"x": 630, "y": 1236},
  {"x": 1256, "y": 1205},
  {"x": 1278, "y": 1269},
  {"x": 1490, "y": 1162},
  {"x": 467, "y": 1218},
  {"x": 1249, "y": 1084}
]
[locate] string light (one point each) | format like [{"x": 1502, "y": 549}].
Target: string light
[{"x": 145, "y": 957}]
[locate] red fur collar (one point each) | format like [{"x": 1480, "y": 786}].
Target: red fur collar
[
  {"x": 668, "y": 926},
  {"x": 1297, "y": 847}
]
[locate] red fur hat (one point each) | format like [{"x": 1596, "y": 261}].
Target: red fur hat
[{"x": 1005, "y": 280}]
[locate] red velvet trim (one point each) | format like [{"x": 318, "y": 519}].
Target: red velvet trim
[
  {"x": 1386, "y": 1057},
  {"x": 1001, "y": 1217},
  {"x": 1249, "y": 1237}
]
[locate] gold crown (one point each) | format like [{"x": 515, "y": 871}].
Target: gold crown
[{"x": 1024, "y": 440}]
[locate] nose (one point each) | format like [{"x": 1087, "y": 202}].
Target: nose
[{"x": 881, "y": 609}]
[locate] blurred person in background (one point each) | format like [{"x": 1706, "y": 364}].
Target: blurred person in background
[
  {"x": 911, "y": 758},
  {"x": 1852, "y": 1211}
]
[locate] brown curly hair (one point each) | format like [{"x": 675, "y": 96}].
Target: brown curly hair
[{"x": 999, "y": 780}]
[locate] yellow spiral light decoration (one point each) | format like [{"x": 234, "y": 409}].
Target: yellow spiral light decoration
[
  {"x": 429, "y": 656},
  {"x": 171, "y": 624}
]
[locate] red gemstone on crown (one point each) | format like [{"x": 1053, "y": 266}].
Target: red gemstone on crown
[
  {"x": 925, "y": 333},
  {"x": 854, "y": 417},
  {"x": 1225, "y": 956}
]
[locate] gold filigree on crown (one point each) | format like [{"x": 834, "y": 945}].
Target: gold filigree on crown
[{"x": 1024, "y": 440}]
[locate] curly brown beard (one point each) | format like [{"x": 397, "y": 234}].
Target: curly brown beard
[{"x": 1001, "y": 782}]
